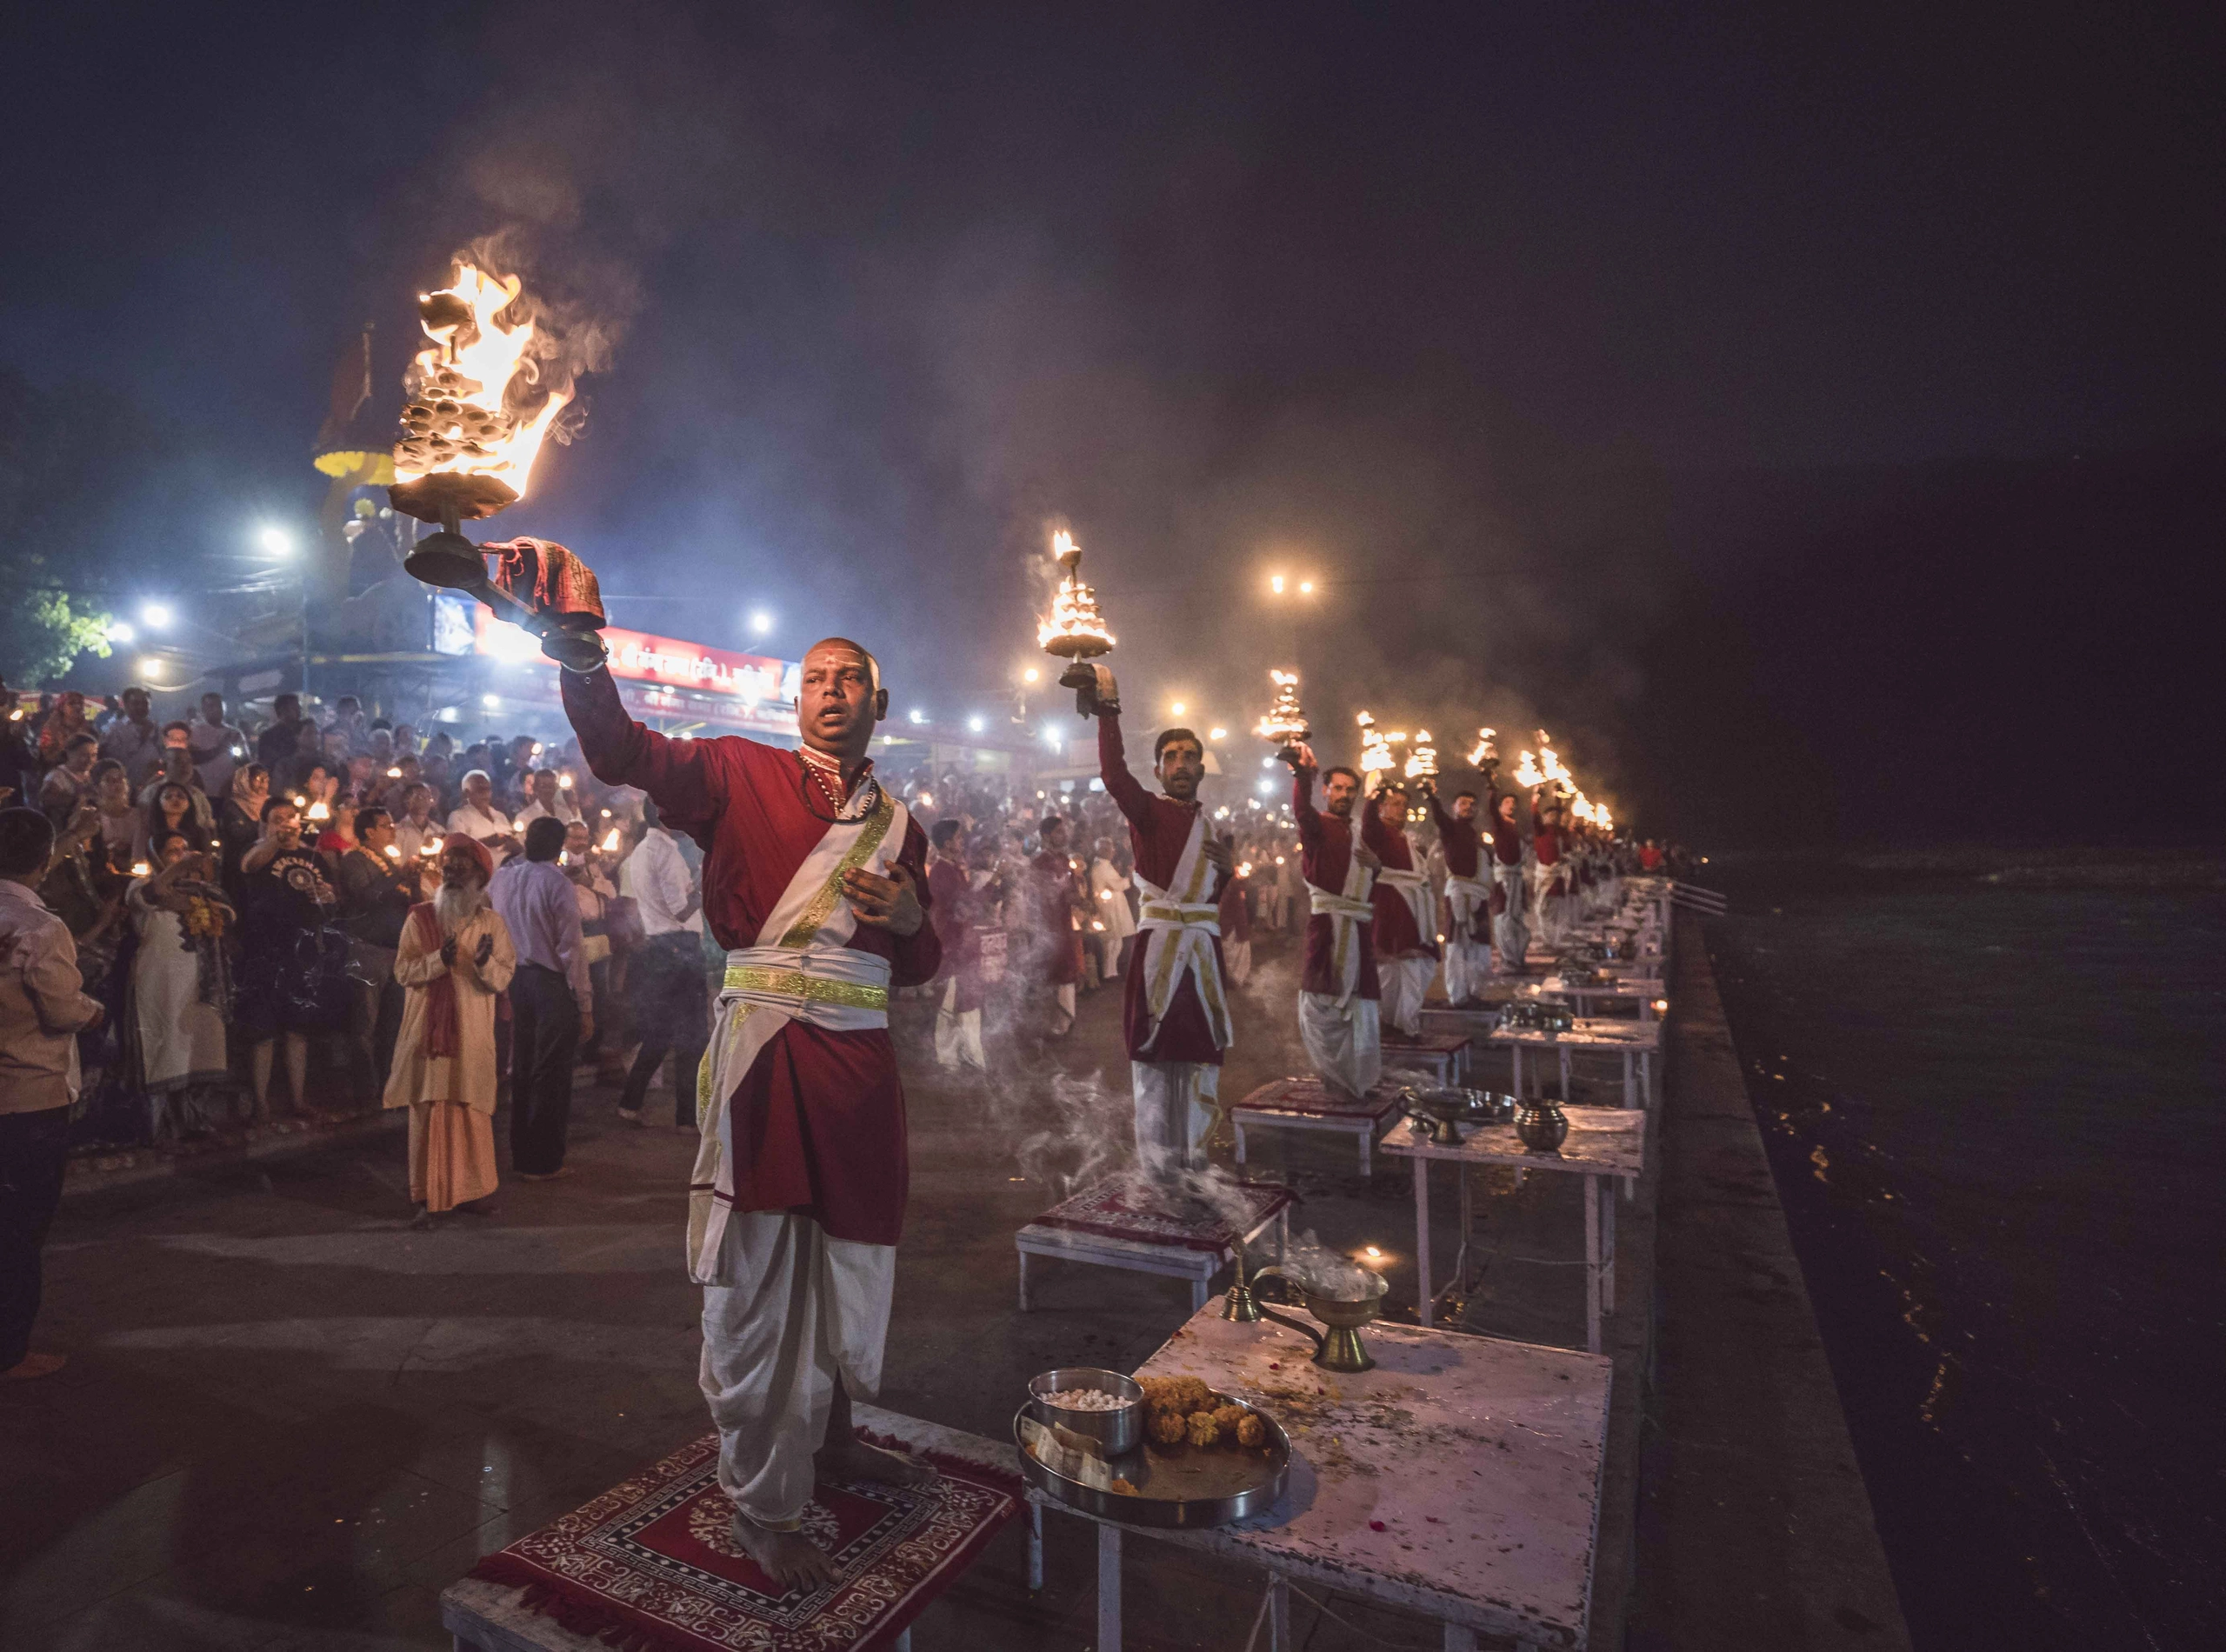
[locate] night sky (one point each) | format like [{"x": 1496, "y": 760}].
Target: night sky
[{"x": 1786, "y": 408}]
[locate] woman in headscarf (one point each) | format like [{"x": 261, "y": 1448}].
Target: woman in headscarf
[
  {"x": 65, "y": 718},
  {"x": 181, "y": 991},
  {"x": 239, "y": 820},
  {"x": 292, "y": 983}
]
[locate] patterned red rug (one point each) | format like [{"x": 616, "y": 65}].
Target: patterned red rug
[
  {"x": 1316, "y": 1100},
  {"x": 1150, "y": 1215},
  {"x": 651, "y": 1566}
]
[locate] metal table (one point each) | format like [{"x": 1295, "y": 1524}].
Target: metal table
[
  {"x": 1605, "y": 1143},
  {"x": 1459, "y": 1480},
  {"x": 1636, "y": 1042}
]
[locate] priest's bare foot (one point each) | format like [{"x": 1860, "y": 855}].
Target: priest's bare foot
[
  {"x": 789, "y": 1558},
  {"x": 855, "y": 1460}
]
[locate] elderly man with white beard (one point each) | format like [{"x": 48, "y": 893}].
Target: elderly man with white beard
[{"x": 453, "y": 959}]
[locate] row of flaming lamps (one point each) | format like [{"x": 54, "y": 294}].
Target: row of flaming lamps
[
  {"x": 478, "y": 413},
  {"x": 1075, "y": 629}
]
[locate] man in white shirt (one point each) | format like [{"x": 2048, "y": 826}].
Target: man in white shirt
[
  {"x": 477, "y": 817},
  {"x": 665, "y": 988},
  {"x": 217, "y": 747},
  {"x": 545, "y": 795},
  {"x": 1109, "y": 903}
]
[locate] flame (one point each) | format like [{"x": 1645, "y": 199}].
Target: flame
[
  {"x": 1422, "y": 764},
  {"x": 459, "y": 418},
  {"x": 140, "y": 869},
  {"x": 611, "y": 842},
  {"x": 430, "y": 847},
  {"x": 320, "y": 810},
  {"x": 1284, "y": 720},
  {"x": 1375, "y": 748},
  {"x": 394, "y": 852},
  {"x": 1487, "y": 746},
  {"x": 1244, "y": 869},
  {"x": 1074, "y": 617}
]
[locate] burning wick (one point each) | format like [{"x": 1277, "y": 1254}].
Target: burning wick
[
  {"x": 140, "y": 869},
  {"x": 394, "y": 773},
  {"x": 430, "y": 847},
  {"x": 319, "y": 810},
  {"x": 394, "y": 852},
  {"x": 610, "y": 843},
  {"x": 564, "y": 782}
]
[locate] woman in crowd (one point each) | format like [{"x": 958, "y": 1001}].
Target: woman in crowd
[
  {"x": 336, "y": 832},
  {"x": 122, "y": 827},
  {"x": 64, "y": 721},
  {"x": 239, "y": 821},
  {"x": 181, "y": 990},
  {"x": 86, "y": 891},
  {"x": 288, "y": 989},
  {"x": 171, "y": 811}
]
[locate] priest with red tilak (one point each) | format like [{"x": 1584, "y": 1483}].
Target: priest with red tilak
[
  {"x": 814, "y": 882},
  {"x": 1174, "y": 1005}
]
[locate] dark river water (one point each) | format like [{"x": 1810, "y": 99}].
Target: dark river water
[{"x": 1995, "y": 1115}]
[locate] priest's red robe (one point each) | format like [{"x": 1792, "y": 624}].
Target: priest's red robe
[
  {"x": 819, "y": 1118},
  {"x": 1158, "y": 828},
  {"x": 1325, "y": 856}
]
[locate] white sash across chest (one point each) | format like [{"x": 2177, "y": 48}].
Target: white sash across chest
[
  {"x": 801, "y": 968},
  {"x": 1346, "y": 908},
  {"x": 1179, "y": 926}
]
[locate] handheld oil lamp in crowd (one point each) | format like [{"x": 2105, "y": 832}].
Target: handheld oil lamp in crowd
[
  {"x": 470, "y": 431},
  {"x": 1284, "y": 722}
]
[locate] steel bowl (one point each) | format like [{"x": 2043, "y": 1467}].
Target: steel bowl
[{"x": 1116, "y": 1431}]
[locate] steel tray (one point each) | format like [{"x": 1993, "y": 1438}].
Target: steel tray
[{"x": 1185, "y": 1486}]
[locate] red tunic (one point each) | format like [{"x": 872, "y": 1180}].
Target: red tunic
[
  {"x": 1396, "y": 934},
  {"x": 1463, "y": 847},
  {"x": 1507, "y": 842},
  {"x": 1325, "y": 855},
  {"x": 1158, "y": 828},
  {"x": 954, "y": 913},
  {"x": 1051, "y": 878},
  {"x": 819, "y": 1118}
]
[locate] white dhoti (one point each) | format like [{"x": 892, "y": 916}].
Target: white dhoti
[
  {"x": 1508, "y": 928},
  {"x": 1552, "y": 910},
  {"x": 1237, "y": 957},
  {"x": 1176, "y": 1103},
  {"x": 1404, "y": 983},
  {"x": 805, "y": 1312},
  {"x": 1344, "y": 1042},
  {"x": 958, "y": 1032},
  {"x": 1468, "y": 961}
]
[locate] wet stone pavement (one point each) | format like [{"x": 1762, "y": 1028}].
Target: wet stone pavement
[{"x": 287, "y": 1421}]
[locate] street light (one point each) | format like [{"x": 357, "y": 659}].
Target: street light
[
  {"x": 1275, "y": 584},
  {"x": 275, "y": 540},
  {"x": 150, "y": 668},
  {"x": 154, "y": 615},
  {"x": 760, "y": 622},
  {"x": 1176, "y": 708},
  {"x": 1030, "y": 673},
  {"x": 973, "y": 725},
  {"x": 119, "y": 631}
]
